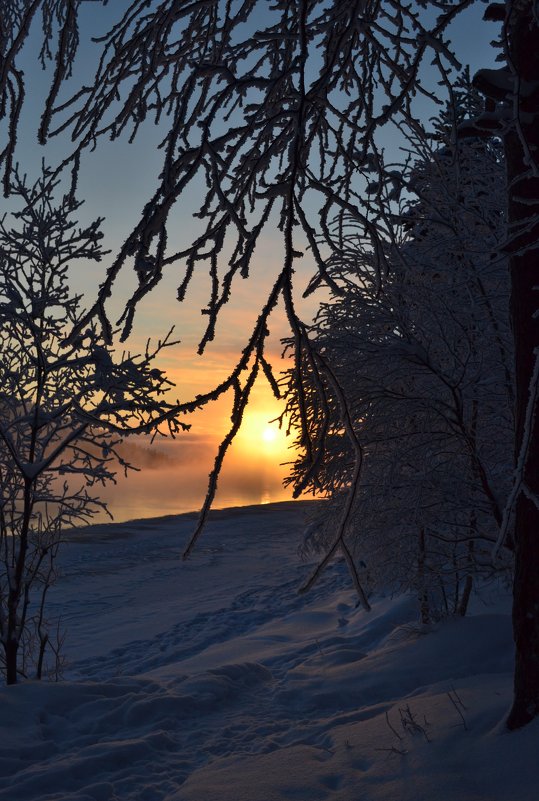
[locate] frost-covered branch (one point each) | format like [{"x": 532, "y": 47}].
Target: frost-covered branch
[{"x": 61, "y": 406}]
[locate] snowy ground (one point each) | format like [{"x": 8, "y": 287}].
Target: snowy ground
[{"x": 213, "y": 680}]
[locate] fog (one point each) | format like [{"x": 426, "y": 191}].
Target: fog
[{"x": 172, "y": 477}]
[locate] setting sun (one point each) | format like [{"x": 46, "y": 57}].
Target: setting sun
[
  {"x": 269, "y": 434},
  {"x": 260, "y": 436}
]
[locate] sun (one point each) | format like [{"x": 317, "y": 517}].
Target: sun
[
  {"x": 269, "y": 434},
  {"x": 260, "y": 436}
]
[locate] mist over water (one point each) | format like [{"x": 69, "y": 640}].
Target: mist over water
[{"x": 173, "y": 479}]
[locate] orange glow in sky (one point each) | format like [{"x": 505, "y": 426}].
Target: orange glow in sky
[
  {"x": 259, "y": 438},
  {"x": 173, "y": 474}
]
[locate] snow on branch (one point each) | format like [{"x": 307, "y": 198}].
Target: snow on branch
[{"x": 256, "y": 105}]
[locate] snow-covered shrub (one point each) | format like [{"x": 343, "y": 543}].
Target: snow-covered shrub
[
  {"x": 423, "y": 357},
  {"x": 64, "y": 410}
]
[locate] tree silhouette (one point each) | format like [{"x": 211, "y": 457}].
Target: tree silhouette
[
  {"x": 277, "y": 108},
  {"x": 64, "y": 411},
  {"x": 424, "y": 358}
]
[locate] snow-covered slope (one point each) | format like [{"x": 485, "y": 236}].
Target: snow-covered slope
[{"x": 213, "y": 680}]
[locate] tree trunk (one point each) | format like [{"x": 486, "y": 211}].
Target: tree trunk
[
  {"x": 424, "y": 606},
  {"x": 11, "y": 648},
  {"x": 522, "y": 150},
  {"x": 11, "y": 641},
  {"x": 465, "y": 597},
  {"x": 468, "y": 584}
]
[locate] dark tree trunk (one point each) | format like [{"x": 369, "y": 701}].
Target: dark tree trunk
[
  {"x": 11, "y": 642},
  {"x": 522, "y": 155},
  {"x": 424, "y": 606},
  {"x": 10, "y": 650},
  {"x": 468, "y": 584},
  {"x": 465, "y": 597}
]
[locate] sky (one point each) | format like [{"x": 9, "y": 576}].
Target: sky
[{"x": 116, "y": 180}]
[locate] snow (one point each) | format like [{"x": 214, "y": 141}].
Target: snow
[{"x": 214, "y": 680}]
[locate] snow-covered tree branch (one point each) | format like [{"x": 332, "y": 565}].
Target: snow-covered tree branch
[
  {"x": 424, "y": 359},
  {"x": 275, "y": 110},
  {"x": 64, "y": 409}
]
